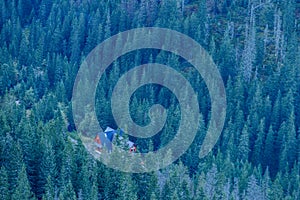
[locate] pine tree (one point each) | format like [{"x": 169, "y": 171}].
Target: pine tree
[
  {"x": 280, "y": 148},
  {"x": 266, "y": 184},
  {"x": 276, "y": 112},
  {"x": 259, "y": 65},
  {"x": 249, "y": 52},
  {"x": 29, "y": 98},
  {"x": 12, "y": 161},
  {"x": 94, "y": 191},
  {"x": 184, "y": 191},
  {"x": 254, "y": 191},
  {"x": 25, "y": 50},
  {"x": 129, "y": 188},
  {"x": 276, "y": 191},
  {"x": 45, "y": 9},
  {"x": 7, "y": 77},
  {"x": 290, "y": 141},
  {"x": 211, "y": 183},
  {"x": 94, "y": 35},
  {"x": 75, "y": 42},
  {"x": 269, "y": 159},
  {"x": 278, "y": 36},
  {"x": 245, "y": 173},
  {"x": 86, "y": 180},
  {"x": 257, "y": 156},
  {"x": 142, "y": 13},
  {"x": 226, "y": 57},
  {"x": 4, "y": 192},
  {"x": 235, "y": 191},
  {"x": 268, "y": 112},
  {"x": 68, "y": 192},
  {"x": 243, "y": 147},
  {"x": 166, "y": 191},
  {"x": 168, "y": 15},
  {"x": 47, "y": 167},
  {"x": 23, "y": 190},
  {"x": 289, "y": 19},
  {"x": 49, "y": 190},
  {"x": 200, "y": 193},
  {"x": 146, "y": 184},
  {"x": 107, "y": 28}
]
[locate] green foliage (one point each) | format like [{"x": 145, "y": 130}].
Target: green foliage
[
  {"x": 67, "y": 192},
  {"x": 243, "y": 146},
  {"x": 4, "y": 192},
  {"x": 12, "y": 161},
  {"x": 22, "y": 191},
  {"x": 49, "y": 190},
  {"x": 256, "y": 47}
]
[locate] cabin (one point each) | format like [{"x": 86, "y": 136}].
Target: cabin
[
  {"x": 101, "y": 141},
  {"x": 105, "y": 140}
]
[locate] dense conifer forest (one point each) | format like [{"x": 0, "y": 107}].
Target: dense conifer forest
[{"x": 254, "y": 43}]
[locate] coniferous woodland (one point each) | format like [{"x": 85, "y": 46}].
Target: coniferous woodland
[{"x": 255, "y": 44}]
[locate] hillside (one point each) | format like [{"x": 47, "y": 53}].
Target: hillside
[{"x": 253, "y": 43}]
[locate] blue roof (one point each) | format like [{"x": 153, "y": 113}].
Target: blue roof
[
  {"x": 107, "y": 137},
  {"x": 110, "y": 133}
]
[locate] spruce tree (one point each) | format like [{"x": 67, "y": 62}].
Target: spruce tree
[
  {"x": 47, "y": 167},
  {"x": 243, "y": 147},
  {"x": 254, "y": 191},
  {"x": 291, "y": 141},
  {"x": 23, "y": 190},
  {"x": 4, "y": 192},
  {"x": 49, "y": 190},
  {"x": 276, "y": 191},
  {"x": 257, "y": 156},
  {"x": 268, "y": 154},
  {"x": 67, "y": 192},
  {"x": 13, "y": 161},
  {"x": 166, "y": 191},
  {"x": 226, "y": 57}
]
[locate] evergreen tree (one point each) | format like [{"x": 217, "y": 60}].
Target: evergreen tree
[
  {"x": 290, "y": 141},
  {"x": 49, "y": 190},
  {"x": 253, "y": 189},
  {"x": 7, "y": 77},
  {"x": 4, "y": 192},
  {"x": 47, "y": 168},
  {"x": 129, "y": 188},
  {"x": 276, "y": 112},
  {"x": 168, "y": 15},
  {"x": 166, "y": 191},
  {"x": 249, "y": 52},
  {"x": 243, "y": 147},
  {"x": 200, "y": 193},
  {"x": 12, "y": 162},
  {"x": 146, "y": 184},
  {"x": 276, "y": 192},
  {"x": 226, "y": 57},
  {"x": 68, "y": 192},
  {"x": 288, "y": 19},
  {"x": 259, "y": 143},
  {"x": 23, "y": 190},
  {"x": 43, "y": 43},
  {"x": 269, "y": 159},
  {"x": 211, "y": 183}
]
